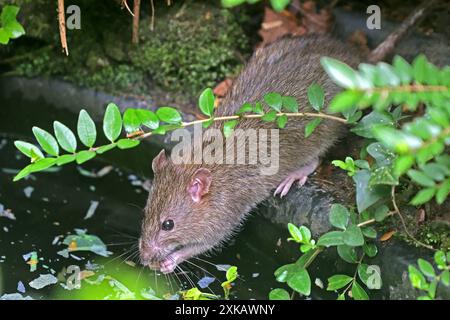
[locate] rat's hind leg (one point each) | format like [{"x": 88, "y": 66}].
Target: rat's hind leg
[{"x": 300, "y": 175}]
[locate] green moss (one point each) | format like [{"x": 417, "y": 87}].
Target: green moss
[
  {"x": 192, "y": 48},
  {"x": 194, "y": 45}
]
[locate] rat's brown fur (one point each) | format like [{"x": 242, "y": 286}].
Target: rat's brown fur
[{"x": 288, "y": 67}]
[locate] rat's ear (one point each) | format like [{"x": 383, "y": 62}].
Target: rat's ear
[
  {"x": 160, "y": 161},
  {"x": 200, "y": 183}
]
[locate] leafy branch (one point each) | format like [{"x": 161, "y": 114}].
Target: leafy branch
[
  {"x": 9, "y": 27},
  {"x": 273, "y": 108}
]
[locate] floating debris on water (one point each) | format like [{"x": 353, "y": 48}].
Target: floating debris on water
[
  {"x": 28, "y": 191},
  {"x": 255, "y": 275},
  {"x": 205, "y": 282},
  {"x": 318, "y": 283},
  {"x": 7, "y": 213},
  {"x": 130, "y": 263},
  {"x": 223, "y": 267},
  {"x": 84, "y": 242},
  {"x": 14, "y": 296},
  {"x": 91, "y": 210},
  {"x": 44, "y": 280},
  {"x": 21, "y": 287},
  {"x": 99, "y": 174},
  {"x": 32, "y": 260}
]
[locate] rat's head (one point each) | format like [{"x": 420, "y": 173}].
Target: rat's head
[{"x": 182, "y": 218}]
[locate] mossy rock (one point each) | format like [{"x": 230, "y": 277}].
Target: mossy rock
[{"x": 193, "y": 45}]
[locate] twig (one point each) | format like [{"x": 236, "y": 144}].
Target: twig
[
  {"x": 255, "y": 116},
  {"x": 125, "y": 4},
  {"x": 62, "y": 26},
  {"x": 136, "y": 10},
  {"x": 152, "y": 21},
  {"x": 394, "y": 203}
]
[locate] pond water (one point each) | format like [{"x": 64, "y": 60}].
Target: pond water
[{"x": 49, "y": 206}]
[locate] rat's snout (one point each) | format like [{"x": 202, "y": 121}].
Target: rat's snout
[{"x": 149, "y": 252}]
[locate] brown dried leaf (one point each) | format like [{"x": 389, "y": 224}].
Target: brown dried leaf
[
  {"x": 387, "y": 235},
  {"x": 359, "y": 39},
  {"x": 222, "y": 88},
  {"x": 316, "y": 22},
  {"x": 277, "y": 25}
]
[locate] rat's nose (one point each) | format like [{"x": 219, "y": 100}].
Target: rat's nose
[{"x": 148, "y": 250}]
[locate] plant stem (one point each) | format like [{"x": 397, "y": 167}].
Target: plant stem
[
  {"x": 394, "y": 203},
  {"x": 254, "y": 116}
]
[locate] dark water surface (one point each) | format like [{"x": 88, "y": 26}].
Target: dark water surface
[{"x": 49, "y": 206}]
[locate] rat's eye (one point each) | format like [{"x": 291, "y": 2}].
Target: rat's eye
[{"x": 168, "y": 225}]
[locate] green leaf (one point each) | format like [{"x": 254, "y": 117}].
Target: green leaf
[
  {"x": 345, "y": 100},
  {"x": 281, "y": 121},
  {"x": 338, "y": 281},
  {"x": 279, "y": 5},
  {"x": 290, "y": 104},
  {"x": 231, "y": 273},
  {"x": 426, "y": 268},
  {"x": 367, "y": 195},
  {"x": 300, "y": 282},
  {"x": 269, "y": 116},
  {"x": 332, "y": 238},
  {"x": 279, "y": 294},
  {"x": 339, "y": 216},
  {"x": 417, "y": 279},
  {"x": 206, "y": 102},
  {"x": 306, "y": 234},
  {"x": 147, "y": 118},
  {"x": 316, "y": 96},
  {"x": 353, "y": 236},
  {"x": 105, "y": 148},
  {"x": 127, "y": 143},
  {"x": 423, "y": 196},
  {"x": 347, "y": 253},
  {"x": 369, "y": 232},
  {"x": 365, "y": 126},
  {"x": 358, "y": 292},
  {"x": 402, "y": 164},
  {"x": 84, "y": 156},
  {"x": 131, "y": 121},
  {"x": 246, "y": 107},
  {"x": 439, "y": 258},
  {"x": 274, "y": 101},
  {"x": 23, "y": 173},
  {"x": 65, "y": 137},
  {"x": 445, "y": 278},
  {"x": 283, "y": 273},
  {"x": 112, "y": 122},
  {"x": 39, "y": 165},
  {"x": 383, "y": 175},
  {"x": 370, "y": 249},
  {"x": 342, "y": 74},
  {"x": 47, "y": 141},
  {"x": 228, "y": 127},
  {"x": 66, "y": 158},
  {"x": 397, "y": 140},
  {"x": 27, "y": 149},
  {"x": 295, "y": 232},
  {"x": 381, "y": 213},
  {"x": 169, "y": 115},
  {"x": 311, "y": 126},
  {"x": 86, "y": 129},
  {"x": 403, "y": 69},
  {"x": 258, "y": 108}
]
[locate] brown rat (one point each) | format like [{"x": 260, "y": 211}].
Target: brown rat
[{"x": 194, "y": 208}]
